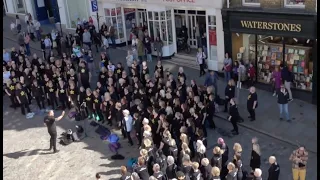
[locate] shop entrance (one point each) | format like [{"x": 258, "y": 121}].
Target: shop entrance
[
  {"x": 142, "y": 18},
  {"x": 194, "y": 22}
]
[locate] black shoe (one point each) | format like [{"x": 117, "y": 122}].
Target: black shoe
[
  {"x": 289, "y": 121},
  {"x": 225, "y": 110},
  {"x": 233, "y": 130},
  {"x": 49, "y": 149},
  {"x": 249, "y": 117},
  {"x": 55, "y": 151},
  {"x": 130, "y": 144},
  {"x": 289, "y": 100},
  {"x": 281, "y": 119},
  {"x": 235, "y": 133},
  {"x": 252, "y": 119}
]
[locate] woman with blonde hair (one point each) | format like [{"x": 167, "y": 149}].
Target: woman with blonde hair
[
  {"x": 164, "y": 144},
  {"x": 185, "y": 150},
  {"x": 184, "y": 138},
  {"x": 200, "y": 151},
  {"x": 215, "y": 173},
  {"x": 216, "y": 160},
  {"x": 186, "y": 165},
  {"x": 237, "y": 149},
  {"x": 255, "y": 160},
  {"x": 206, "y": 169},
  {"x": 124, "y": 173},
  {"x": 195, "y": 171},
  {"x": 232, "y": 172}
]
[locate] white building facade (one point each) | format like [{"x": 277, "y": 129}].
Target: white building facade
[
  {"x": 19, "y": 7},
  {"x": 162, "y": 18}
]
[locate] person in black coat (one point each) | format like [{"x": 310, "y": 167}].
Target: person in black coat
[
  {"x": 125, "y": 175},
  {"x": 229, "y": 92},
  {"x": 252, "y": 103},
  {"x": 283, "y": 100},
  {"x": 172, "y": 168},
  {"x": 142, "y": 169},
  {"x": 216, "y": 159},
  {"x": 255, "y": 160},
  {"x": 206, "y": 169},
  {"x": 274, "y": 169},
  {"x": 233, "y": 116}
]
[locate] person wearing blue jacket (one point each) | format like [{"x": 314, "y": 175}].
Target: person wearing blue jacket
[{"x": 212, "y": 80}]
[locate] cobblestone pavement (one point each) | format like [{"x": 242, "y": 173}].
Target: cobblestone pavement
[{"x": 26, "y": 139}]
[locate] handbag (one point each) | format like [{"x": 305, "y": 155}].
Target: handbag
[{"x": 54, "y": 44}]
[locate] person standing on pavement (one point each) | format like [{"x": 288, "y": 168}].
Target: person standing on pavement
[
  {"x": 147, "y": 46},
  {"x": 276, "y": 81},
  {"x": 37, "y": 26},
  {"x": 140, "y": 50},
  {"x": 30, "y": 30},
  {"x": 158, "y": 44},
  {"x": 255, "y": 160},
  {"x": 212, "y": 80},
  {"x": 200, "y": 59},
  {"x": 274, "y": 169},
  {"x": 283, "y": 100},
  {"x": 129, "y": 59},
  {"x": 22, "y": 98},
  {"x": 48, "y": 46},
  {"x": 18, "y": 24},
  {"x": 26, "y": 43},
  {"x": 227, "y": 67},
  {"x": 252, "y": 103},
  {"x": 49, "y": 121},
  {"x": 233, "y": 116},
  {"x": 299, "y": 160},
  {"x": 127, "y": 125},
  {"x": 21, "y": 39},
  {"x": 287, "y": 78},
  {"x": 251, "y": 74},
  {"x": 112, "y": 36},
  {"x": 86, "y": 38},
  {"x": 229, "y": 93}
]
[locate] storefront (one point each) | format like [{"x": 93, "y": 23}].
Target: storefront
[
  {"x": 280, "y": 39},
  {"x": 20, "y": 7},
  {"x": 162, "y": 18}
]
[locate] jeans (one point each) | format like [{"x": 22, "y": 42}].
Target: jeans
[
  {"x": 284, "y": 109},
  {"x": 205, "y": 50},
  {"x": 149, "y": 58},
  {"x": 215, "y": 89},
  {"x": 202, "y": 71},
  {"x": 287, "y": 85},
  {"x": 227, "y": 76},
  {"x": 38, "y": 35},
  {"x": 28, "y": 49},
  {"x": 113, "y": 40},
  {"x": 88, "y": 44}
]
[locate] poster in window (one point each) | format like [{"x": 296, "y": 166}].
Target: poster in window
[{"x": 212, "y": 37}]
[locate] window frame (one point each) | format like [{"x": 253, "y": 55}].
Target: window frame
[
  {"x": 293, "y": 5},
  {"x": 244, "y": 3}
]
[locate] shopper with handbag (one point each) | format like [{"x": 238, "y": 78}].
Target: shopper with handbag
[{"x": 201, "y": 61}]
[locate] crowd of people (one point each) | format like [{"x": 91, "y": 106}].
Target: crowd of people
[{"x": 169, "y": 118}]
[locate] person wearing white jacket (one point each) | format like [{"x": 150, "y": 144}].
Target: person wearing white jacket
[{"x": 127, "y": 125}]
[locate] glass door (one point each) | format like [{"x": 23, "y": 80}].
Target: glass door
[
  {"x": 142, "y": 18},
  {"x": 192, "y": 23}
]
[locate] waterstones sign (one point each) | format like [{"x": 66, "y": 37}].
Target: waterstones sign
[
  {"x": 281, "y": 25},
  {"x": 271, "y": 26}
]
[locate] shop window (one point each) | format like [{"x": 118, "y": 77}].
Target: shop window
[
  {"x": 298, "y": 58},
  {"x": 251, "y": 2},
  {"x": 294, "y": 3},
  {"x": 20, "y": 6},
  {"x": 113, "y": 17},
  {"x": 76, "y": 9},
  {"x": 161, "y": 26},
  {"x": 244, "y": 48},
  {"x": 269, "y": 57},
  {"x": 212, "y": 34}
]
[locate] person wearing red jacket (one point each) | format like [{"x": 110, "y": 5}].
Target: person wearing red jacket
[{"x": 251, "y": 74}]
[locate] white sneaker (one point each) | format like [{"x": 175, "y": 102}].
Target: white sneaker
[{"x": 274, "y": 94}]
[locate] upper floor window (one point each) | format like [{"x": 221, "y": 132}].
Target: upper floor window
[
  {"x": 251, "y": 2},
  {"x": 294, "y": 3}
]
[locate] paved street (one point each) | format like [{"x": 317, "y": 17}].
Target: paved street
[{"x": 25, "y": 139}]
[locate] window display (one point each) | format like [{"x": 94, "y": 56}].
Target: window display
[
  {"x": 113, "y": 17},
  {"x": 243, "y": 47},
  {"x": 76, "y": 9},
  {"x": 294, "y": 2},
  {"x": 298, "y": 59},
  {"x": 270, "y": 56},
  {"x": 20, "y": 6},
  {"x": 160, "y": 25}
]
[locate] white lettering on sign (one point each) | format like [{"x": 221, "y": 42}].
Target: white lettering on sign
[{"x": 180, "y": 1}]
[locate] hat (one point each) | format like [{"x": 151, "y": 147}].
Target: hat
[{"x": 126, "y": 112}]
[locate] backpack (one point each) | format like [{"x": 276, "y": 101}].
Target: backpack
[
  {"x": 131, "y": 162},
  {"x": 113, "y": 138}
]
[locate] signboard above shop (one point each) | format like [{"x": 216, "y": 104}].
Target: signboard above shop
[{"x": 217, "y": 4}]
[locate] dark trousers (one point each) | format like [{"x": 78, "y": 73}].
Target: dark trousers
[
  {"x": 252, "y": 113},
  {"x": 211, "y": 122},
  {"x": 53, "y": 140},
  {"x": 250, "y": 82},
  {"x": 13, "y": 101},
  {"x": 129, "y": 138},
  {"x": 90, "y": 112},
  {"x": 75, "y": 104},
  {"x": 234, "y": 124},
  {"x": 106, "y": 117},
  {"x": 23, "y": 106},
  {"x": 205, "y": 133},
  {"x": 40, "y": 102},
  {"x": 65, "y": 102},
  {"x": 88, "y": 44},
  {"x": 202, "y": 71},
  {"x": 53, "y": 100},
  {"x": 139, "y": 137},
  {"x": 226, "y": 103}
]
